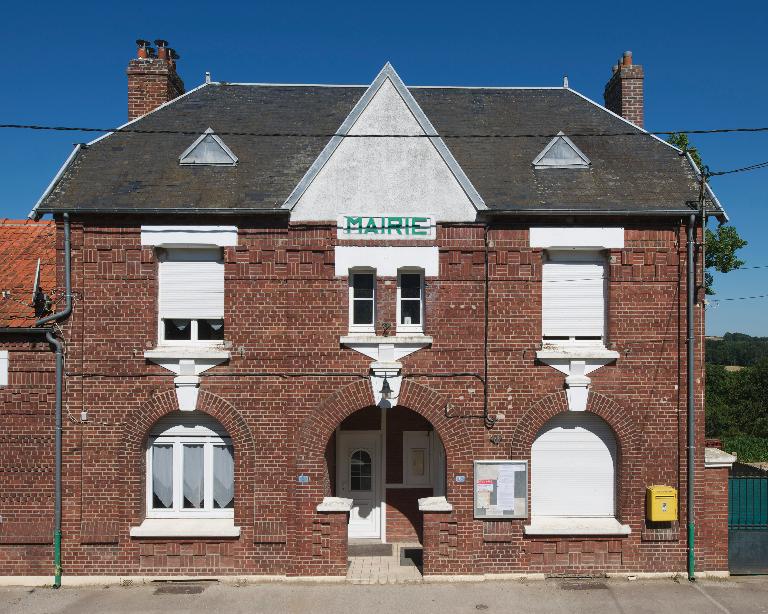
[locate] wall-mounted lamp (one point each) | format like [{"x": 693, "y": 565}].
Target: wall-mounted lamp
[{"x": 386, "y": 390}]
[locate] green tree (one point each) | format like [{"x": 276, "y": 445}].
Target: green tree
[{"x": 722, "y": 243}]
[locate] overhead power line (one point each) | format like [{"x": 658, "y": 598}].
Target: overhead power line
[
  {"x": 737, "y": 298},
  {"x": 408, "y": 136},
  {"x": 743, "y": 169}
]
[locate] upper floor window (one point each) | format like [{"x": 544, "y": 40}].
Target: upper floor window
[
  {"x": 410, "y": 302},
  {"x": 574, "y": 297},
  {"x": 190, "y": 468},
  {"x": 362, "y": 301},
  {"x": 191, "y": 295}
]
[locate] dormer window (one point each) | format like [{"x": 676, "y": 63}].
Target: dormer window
[
  {"x": 208, "y": 150},
  {"x": 561, "y": 152}
]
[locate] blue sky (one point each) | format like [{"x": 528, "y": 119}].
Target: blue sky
[{"x": 705, "y": 66}]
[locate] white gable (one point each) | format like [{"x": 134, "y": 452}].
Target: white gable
[{"x": 379, "y": 175}]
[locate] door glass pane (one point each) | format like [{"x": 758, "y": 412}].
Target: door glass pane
[
  {"x": 193, "y": 463},
  {"x": 162, "y": 476},
  {"x": 361, "y": 471},
  {"x": 223, "y": 477}
]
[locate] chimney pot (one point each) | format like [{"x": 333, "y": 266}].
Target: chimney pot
[
  {"x": 624, "y": 91},
  {"x": 152, "y": 78},
  {"x": 142, "y": 45}
]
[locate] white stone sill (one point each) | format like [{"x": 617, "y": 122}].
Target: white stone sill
[
  {"x": 187, "y": 351},
  {"x": 186, "y": 527},
  {"x": 576, "y": 352},
  {"x": 335, "y": 504},
  {"x": 434, "y": 504},
  {"x": 402, "y": 339},
  {"x": 576, "y": 526}
]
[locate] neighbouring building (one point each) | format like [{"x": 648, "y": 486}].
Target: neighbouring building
[
  {"x": 309, "y": 314},
  {"x": 27, "y": 389}
]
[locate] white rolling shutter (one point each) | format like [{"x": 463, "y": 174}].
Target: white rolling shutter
[
  {"x": 573, "y": 467},
  {"x": 573, "y": 294},
  {"x": 192, "y": 284}
]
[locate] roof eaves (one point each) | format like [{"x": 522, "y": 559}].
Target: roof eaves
[
  {"x": 36, "y": 210},
  {"x": 34, "y": 214}
]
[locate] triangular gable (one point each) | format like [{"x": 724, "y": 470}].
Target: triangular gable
[
  {"x": 561, "y": 153},
  {"x": 208, "y": 149},
  {"x": 366, "y": 165}
]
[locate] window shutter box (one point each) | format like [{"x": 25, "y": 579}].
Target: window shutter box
[
  {"x": 573, "y": 470},
  {"x": 573, "y": 294},
  {"x": 192, "y": 284}
]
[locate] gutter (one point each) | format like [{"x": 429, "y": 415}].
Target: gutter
[
  {"x": 589, "y": 213},
  {"x": 191, "y": 210},
  {"x": 58, "y": 347}
]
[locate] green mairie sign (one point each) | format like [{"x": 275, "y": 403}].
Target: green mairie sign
[{"x": 389, "y": 227}]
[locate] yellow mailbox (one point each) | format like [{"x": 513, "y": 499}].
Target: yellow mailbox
[{"x": 661, "y": 503}]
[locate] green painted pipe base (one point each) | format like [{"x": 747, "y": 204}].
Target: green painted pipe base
[
  {"x": 691, "y": 555},
  {"x": 57, "y": 559}
]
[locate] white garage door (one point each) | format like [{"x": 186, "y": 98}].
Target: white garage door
[{"x": 573, "y": 467}]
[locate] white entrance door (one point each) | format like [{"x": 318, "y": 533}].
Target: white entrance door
[{"x": 358, "y": 477}]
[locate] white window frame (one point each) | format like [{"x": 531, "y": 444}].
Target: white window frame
[
  {"x": 178, "y": 511},
  {"x": 411, "y": 328},
  {"x": 575, "y": 340},
  {"x": 361, "y": 329},
  {"x": 4, "y": 361},
  {"x": 193, "y": 341}
]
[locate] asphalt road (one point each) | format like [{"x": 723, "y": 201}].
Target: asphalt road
[{"x": 737, "y": 595}]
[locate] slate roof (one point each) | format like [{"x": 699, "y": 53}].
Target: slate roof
[
  {"x": 22, "y": 242},
  {"x": 126, "y": 171}
]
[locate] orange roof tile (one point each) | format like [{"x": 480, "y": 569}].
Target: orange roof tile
[{"x": 22, "y": 242}]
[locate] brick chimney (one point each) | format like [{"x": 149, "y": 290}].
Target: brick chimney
[
  {"x": 624, "y": 92},
  {"x": 152, "y": 78}
]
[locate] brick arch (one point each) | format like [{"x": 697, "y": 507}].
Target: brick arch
[
  {"x": 618, "y": 418},
  {"x": 531, "y": 422},
  {"x": 139, "y": 425},
  {"x": 321, "y": 424}
]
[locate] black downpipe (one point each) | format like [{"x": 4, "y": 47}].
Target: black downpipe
[
  {"x": 59, "y": 349},
  {"x": 691, "y": 287}
]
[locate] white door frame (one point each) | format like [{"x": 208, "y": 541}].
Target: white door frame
[{"x": 347, "y": 439}]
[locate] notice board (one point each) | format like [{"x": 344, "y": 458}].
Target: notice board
[{"x": 501, "y": 489}]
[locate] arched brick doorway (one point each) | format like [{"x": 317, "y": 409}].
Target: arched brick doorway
[{"x": 419, "y": 406}]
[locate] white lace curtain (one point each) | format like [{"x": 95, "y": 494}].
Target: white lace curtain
[
  {"x": 223, "y": 476},
  {"x": 162, "y": 475}
]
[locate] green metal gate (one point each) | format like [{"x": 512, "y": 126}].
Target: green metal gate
[{"x": 748, "y": 524}]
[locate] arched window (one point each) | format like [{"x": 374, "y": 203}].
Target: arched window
[
  {"x": 573, "y": 468},
  {"x": 190, "y": 468}
]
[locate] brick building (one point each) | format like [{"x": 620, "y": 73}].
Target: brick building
[{"x": 309, "y": 314}]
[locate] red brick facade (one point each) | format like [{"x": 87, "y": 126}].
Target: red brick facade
[{"x": 285, "y": 310}]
